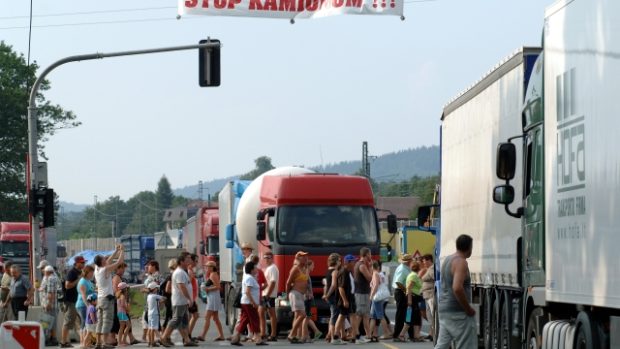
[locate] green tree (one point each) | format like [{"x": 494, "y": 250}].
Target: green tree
[
  {"x": 16, "y": 78},
  {"x": 164, "y": 197},
  {"x": 263, "y": 164}
]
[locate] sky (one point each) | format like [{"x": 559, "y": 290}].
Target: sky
[{"x": 306, "y": 94}]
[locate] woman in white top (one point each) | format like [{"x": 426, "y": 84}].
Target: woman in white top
[
  {"x": 249, "y": 306},
  {"x": 105, "y": 297}
]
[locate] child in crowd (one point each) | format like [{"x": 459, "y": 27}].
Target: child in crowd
[
  {"x": 91, "y": 317},
  {"x": 122, "y": 304},
  {"x": 152, "y": 302}
]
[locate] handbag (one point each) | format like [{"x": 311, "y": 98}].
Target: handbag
[{"x": 382, "y": 293}]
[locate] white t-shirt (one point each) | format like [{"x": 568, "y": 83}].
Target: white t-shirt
[
  {"x": 104, "y": 282},
  {"x": 180, "y": 277},
  {"x": 152, "y": 303},
  {"x": 272, "y": 274},
  {"x": 249, "y": 281}
]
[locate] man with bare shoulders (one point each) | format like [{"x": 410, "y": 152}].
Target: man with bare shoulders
[
  {"x": 296, "y": 286},
  {"x": 456, "y": 316}
]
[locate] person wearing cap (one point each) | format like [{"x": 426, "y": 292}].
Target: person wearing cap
[
  {"x": 70, "y": 299},
  {"x": 400, "y": 297},
  {"x": 152, "y": 308},
  {"x": 214, "y": 301},
  {"x": 122, "y": 311},
  {"x": 5, "y": 283},
  {"x": 105, "y": 294},
  {"x": 151, "y": 269},
  {"x": 246, "y": 250},
  {"x": 41, "y": 286},
  {"x": 346, "y": 301},
  {"x": 49, "y": 296},
  {"x": 296, "y": 286}
]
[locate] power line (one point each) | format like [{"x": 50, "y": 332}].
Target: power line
[
  {"x": 94, "y": 12},
  {"x": 94, "y": 23}
]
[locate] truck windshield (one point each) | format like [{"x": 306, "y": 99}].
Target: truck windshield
[
  {"x": 14, "y": 249},
  {"x": 327, "y": 225}
]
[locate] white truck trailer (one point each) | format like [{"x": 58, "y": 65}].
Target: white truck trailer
[{"x": 544, "y": 264}]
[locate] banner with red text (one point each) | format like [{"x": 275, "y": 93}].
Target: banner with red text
[{"x": 291, "y": 9}]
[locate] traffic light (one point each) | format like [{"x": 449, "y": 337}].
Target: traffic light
[
  {"x": 42, "y": 201},
  {"x": 209, "y": 64}
]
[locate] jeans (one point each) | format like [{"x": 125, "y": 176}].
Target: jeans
[{"x": 457, "y": 327}]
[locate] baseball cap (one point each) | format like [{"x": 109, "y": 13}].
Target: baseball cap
[
  {"x": 49, "y": 268},
  {"x": 246, "y": 245},
  {"x": 91, "y": 297},
  {"x": 350, "y": 258},
  {"x": 406, "y": 257},
  {"x": 43, "y": 264},
  {"x": 79, "y": 259},
  {"x": 152, "y": 286}
]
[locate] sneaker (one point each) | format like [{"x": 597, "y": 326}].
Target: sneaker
[
  {"x": 318, "y": 335},
  {"x": 363, "y": 340},
  {"x": 338, "y": 341}
]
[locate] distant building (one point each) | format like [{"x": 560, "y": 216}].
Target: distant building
[{"x": 403, "y": 207}]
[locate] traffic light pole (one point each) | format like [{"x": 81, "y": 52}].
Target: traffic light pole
[{"x": 34, "y": 184}]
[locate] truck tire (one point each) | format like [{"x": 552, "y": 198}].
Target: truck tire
[
  {"x": 587, "y": 332},
  {"x": 532, "y": 333}
]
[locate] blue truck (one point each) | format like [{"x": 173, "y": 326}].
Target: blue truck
[{"x": 139, "y": 249}]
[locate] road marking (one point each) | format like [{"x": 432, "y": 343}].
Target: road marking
[{"x": 389, "y": 346}]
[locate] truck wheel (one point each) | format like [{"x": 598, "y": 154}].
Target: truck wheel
[
  {"x": 532, "y": 338},
  {"x": 587, "y": 333}
]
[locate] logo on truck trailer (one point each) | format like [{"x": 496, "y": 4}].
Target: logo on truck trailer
[{"x": 571, "y": 175}]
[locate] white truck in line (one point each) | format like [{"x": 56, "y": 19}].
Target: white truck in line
[{"x": 538, "y": 135}]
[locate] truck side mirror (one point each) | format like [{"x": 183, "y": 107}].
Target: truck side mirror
[
  {"x": 506, "y": 161},
  {"x": 261, "y": 231},
  {"x": 504, "y": 194},
  {"x": 392, "y": 224}
]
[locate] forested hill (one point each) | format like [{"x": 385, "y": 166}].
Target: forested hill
[
  {"x": 391, "y": 167},
  {"x": 397, "y": 166}
]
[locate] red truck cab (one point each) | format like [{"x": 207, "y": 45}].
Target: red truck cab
[
  {"x": 319, "y": 214},
  {"x": 15, "y": 244}
]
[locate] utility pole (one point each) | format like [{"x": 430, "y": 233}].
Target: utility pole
[
  {"x": 365, "y": 162},
  {"x": 200, "y": 189}
]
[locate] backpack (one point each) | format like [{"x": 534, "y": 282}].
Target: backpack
[{"x": 162, "y": 286}]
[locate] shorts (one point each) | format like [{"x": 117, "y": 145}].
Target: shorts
[
  {"x": 92, "y": 328},
  {"x": 82, "y": 314},
  {"x": 122, "y": 316},
  {"x": 105, "y": 314},
  {"x": 377, "y": 310},
  {"x": 297, "y": 301},
  {"x": 269, "y": 302},
  {"x": 180, "y": 317},
  {"x": 362, "y": 304},
  {"x": 153, "y": 323},
  {"x": 193, "y": 308},
  {"x": 70, "y": 316}
]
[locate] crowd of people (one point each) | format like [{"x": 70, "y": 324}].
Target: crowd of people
[{"x": 97, "y": 299}]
